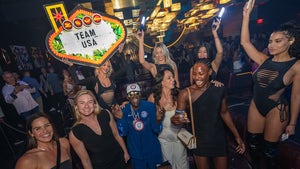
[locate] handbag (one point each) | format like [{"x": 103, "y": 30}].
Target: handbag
[{"x": 188, "y": 139}]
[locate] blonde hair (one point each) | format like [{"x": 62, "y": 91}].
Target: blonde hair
[
  {"x": 133, "y": 51},
  {"x": 110, "y": 68},
  {"x": 166, "y": 53},
  {"x": 97, "y": 109}
]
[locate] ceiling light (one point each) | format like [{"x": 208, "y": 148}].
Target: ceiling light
[
  {"x": 224, "y": 1},
  {"x": 194, "y": 11},
  {"x": 162, "y": 13},
  {"x": 213, "y": 11},
  {"x": 194, "y": 24},
  {"x": 169, "y": 17},
  {"x": 206, "y": 16},
  {"x": 154, "y": 13},
  {"x": 190, "y": 20},
  {"x": 206, "y": 7},
  {"x": 167, "y": 3},
  {"x": 176, "y": 7}
]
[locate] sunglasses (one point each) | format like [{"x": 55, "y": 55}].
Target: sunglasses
[{"x": 132, "y": 94}]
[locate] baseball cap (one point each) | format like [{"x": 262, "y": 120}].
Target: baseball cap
[{"x": 134, "y": 87}]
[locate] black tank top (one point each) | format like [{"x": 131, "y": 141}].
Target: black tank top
[
  {"x": 268, "y": 81},
  {"x": 161, "y": 67},
  {"x": 109, "y": 101}
]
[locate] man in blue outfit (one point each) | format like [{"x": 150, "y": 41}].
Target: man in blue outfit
[{"x": 141, "y": 123}]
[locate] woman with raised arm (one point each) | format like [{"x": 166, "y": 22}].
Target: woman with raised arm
[
  {"x": 95, "y": 137},
  {"x": 270, "y": 112},
  {"x": 46, "y": 149},
  {"x": 205, "y": 49},
  {"x": 102, "y": 84},
  {"x": 161, "y": 57}
]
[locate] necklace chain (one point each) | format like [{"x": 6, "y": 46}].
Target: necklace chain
[{"x": 134, "y": 114}]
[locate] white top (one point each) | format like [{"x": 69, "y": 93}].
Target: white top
[
  {"x": 172, "y": 149},
  {"x": 24, "y": 101},
  {"x": 169, "y": 132}
]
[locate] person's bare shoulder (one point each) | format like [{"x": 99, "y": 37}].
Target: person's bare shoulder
[
  {"x": 183, "y": 93},
  {"x": 297, "y": 66},
  {"x": 28, "y": 160}
]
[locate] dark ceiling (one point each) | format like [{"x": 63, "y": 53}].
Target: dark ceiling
[{"x": 24, "y": 22}]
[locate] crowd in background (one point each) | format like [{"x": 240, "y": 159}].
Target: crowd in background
[{"x": 56, "y": 87}]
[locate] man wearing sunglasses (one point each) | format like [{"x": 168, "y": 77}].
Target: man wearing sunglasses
[{"x": 141, "y": 123}]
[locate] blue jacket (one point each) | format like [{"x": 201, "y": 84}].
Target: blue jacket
[
  {"x": 33, "y": 83},
  {"x": 142, "y": 144}
]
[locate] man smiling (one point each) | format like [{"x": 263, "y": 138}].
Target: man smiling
[{"x": 141, "y": 123}]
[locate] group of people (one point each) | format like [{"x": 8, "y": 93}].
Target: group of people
[{"x": 150, "y": 126}]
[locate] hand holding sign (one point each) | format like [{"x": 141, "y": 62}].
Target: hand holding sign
[{"x": 86, "y": 37}]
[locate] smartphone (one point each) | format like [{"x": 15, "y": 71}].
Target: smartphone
[
  {"x": 179, "y": 111},
  {"x": 221, "y": 12},
  {"x": 142, "y": 25},
  {"x": 284, "y": 136},
  {"x": 218, "y": 17},
  {"x": 248, "y": 4}
]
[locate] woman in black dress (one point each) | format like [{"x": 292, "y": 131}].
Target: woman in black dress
[
  {"x": 210, "y": 114},
  {"x": 95, "y": 137}
]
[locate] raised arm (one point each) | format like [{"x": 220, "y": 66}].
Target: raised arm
[
  {"x": 149, "y": 66},
  {"x": 249, "y": 48},
  {"x": 176, "y": 76},
  {"x": 89, "y": 81},
  {"x": 218, "y": 59}
]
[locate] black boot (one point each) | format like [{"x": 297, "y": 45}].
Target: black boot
[
  {"x": 270, "y": 153},
  {"x": 254, "y": 142}
]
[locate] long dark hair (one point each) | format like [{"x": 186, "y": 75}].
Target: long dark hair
[
  {"x": 208, "y": 48},
  {"x": 32, "y": 143},
  {"x": 292, "y": 31},
  {"x": 157, "y": 87}
]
